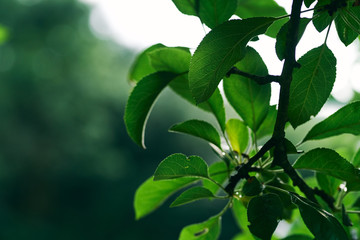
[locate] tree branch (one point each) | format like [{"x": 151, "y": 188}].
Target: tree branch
[
  {"x": 261, "y": 80},
  {"x": 278, "y": 138},
  {"x": 244, "y": 169},
  {"x": 280, "y": 155}
]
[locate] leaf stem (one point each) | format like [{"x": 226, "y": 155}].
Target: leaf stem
[
  {"x": 327, "y": 33},
  {"x": 218, "y": 184},
  {"x": 353, "y": 211}
]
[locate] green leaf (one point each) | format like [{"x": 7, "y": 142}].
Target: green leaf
[
  {"x": 267, "y": 126},
  {"x": 322, "y": 224},
  {"x": 180, "y": 85},
  {"x": 277, "y": 187},
  {"x": 311, "y": 84},
  {"x": 281, "y": 37},
  {"x": 345, "y": 120},
  {"x": 151, "y": 194},
  {"x": 252, "y": 187},
  {"x": 215, "y": 12},
  {"x": 141, "y": 101},
  {"x": 321, "y": 18},
  {"x": 216, "y": 104},
  {"x": 298, "y": 237},
  {"x": 239, "y": 213},
  {"x": 208, "y": 230},
  {"x": 264, "y": 213},
  {"x": 141, "y": 66},
  {"x": 249, "y": 99},
  {"x": 178, "y": 165},
  {"x": 238, "y": 135},
  {"x": 356, "y": 159},
  {"x": 347, "y": 24},
  {"x": 262, "y": 8},
  {"x": 329, "y": 162},
  {"x": 308, "y": 2},
  {"x": 327, "y": 183},
  {"x": 170, "y": 59},
  {"x": 199, "y": 129},
  {"x": 219, "y": 51},
  {"x": 191, "y": 195},
  {"x": 187, "y": 7},
  {"x": 218, "y": 171},
  {"x": 210, "y": 12}
]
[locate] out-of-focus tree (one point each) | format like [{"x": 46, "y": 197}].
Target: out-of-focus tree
[{"x": 67, "y": 167}]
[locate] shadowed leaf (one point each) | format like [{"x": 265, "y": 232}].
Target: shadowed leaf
[{"x": 219, "y": 51}]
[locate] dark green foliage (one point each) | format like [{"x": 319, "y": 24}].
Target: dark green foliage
[
  {"x": 264, "y": 213},
  {"x": 311, "y": 85},
  {"x": 140, "y": 102},
  {"x": 345, "y": 120},
  {"x": 322, "y": 224},
  {"x": 199, "y": 129},
  {"x": 254, "y": 171},
  {"x": 252, "y": 187},
  {"x": 219, "y": 51},
  {"x": 249, "y": 99}
]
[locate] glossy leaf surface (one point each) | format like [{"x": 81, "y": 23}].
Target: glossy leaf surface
[
  {"x": 191, "y": 195},
  {"x": 329, "y": 162},
  {"x": 311, "y": 84},
  {"x": 345, "y": 120},
  {"x": 208, "y": 230},
  {"x": 151, "y": 194},
  {"x": 170, "y": 59},
  {"x": 198, "y": 128},
  {"x": 178, "y": 165},
  {"x": 322, "y": 224},
  {"x": 249, "y": 99},
  {"x": 141, "y": 66},
  {"x": 140, "y": 102},
  {"x": 219, "y": 51}
]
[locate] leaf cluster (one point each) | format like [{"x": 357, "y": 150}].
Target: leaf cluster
[{"x": 258, "y": 183}]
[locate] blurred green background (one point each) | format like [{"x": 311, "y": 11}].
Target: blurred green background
[{"x": 68, "y": 170}]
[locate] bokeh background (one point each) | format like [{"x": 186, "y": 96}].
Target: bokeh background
[{"x": 68, "y": 170}]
